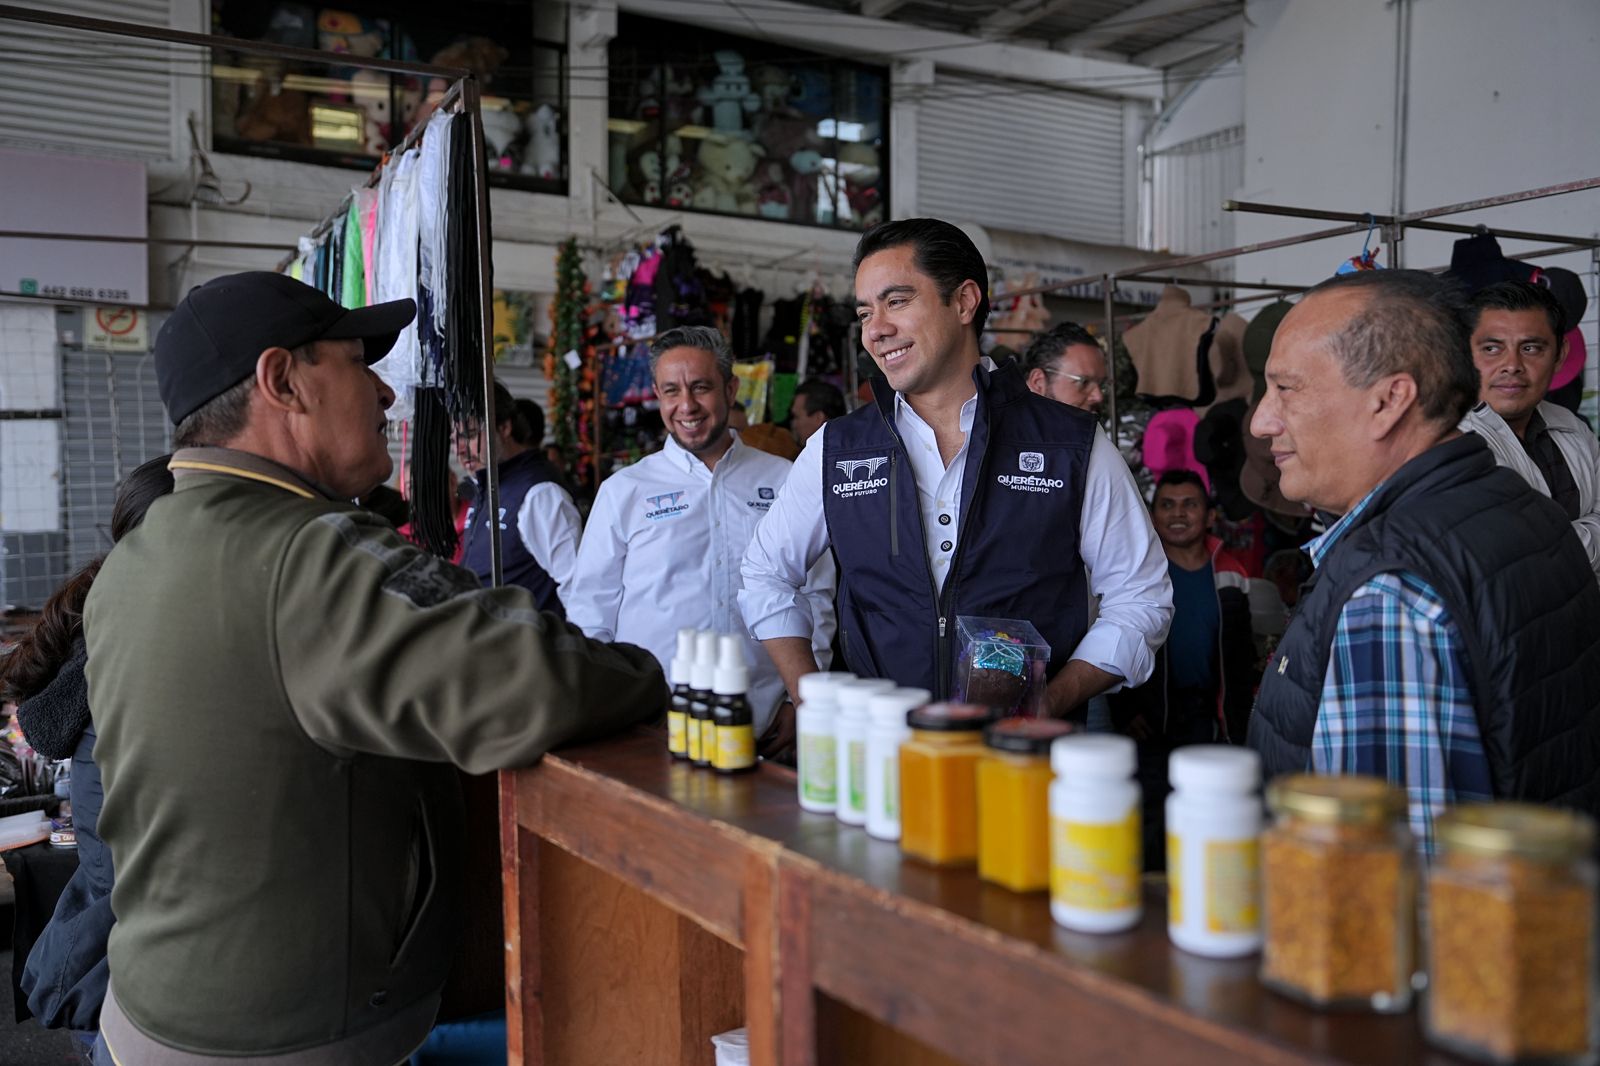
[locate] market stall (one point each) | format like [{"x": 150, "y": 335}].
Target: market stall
[{"x": 651, "y": 905}]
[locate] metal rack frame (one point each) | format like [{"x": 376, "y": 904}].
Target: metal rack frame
[{"x": 464, "y": 91}]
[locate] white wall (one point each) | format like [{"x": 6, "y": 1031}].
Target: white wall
[
  {"x": 1500, "y": 100},
  {"x": 1210, "y": 105}
]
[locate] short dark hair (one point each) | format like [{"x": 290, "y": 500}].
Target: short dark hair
[
  {"x": 1517, "y": 296},
  {"x": 821, "y": 397},
  {"x": 533, "y": 416},
  {"x": 223, "y": 417},
  {"x": 1181, "y": 477},
  {"x": 943, "y": 252},
  {"x": 705, "y": 338},
  {"x": 1052, "y": 344},
  {"x": 1413, "y": 323}
]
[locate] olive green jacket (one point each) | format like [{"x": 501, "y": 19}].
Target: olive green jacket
[{"x": 282, "y": 687}]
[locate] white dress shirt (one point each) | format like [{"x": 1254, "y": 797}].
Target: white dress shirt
[
  {"x": 662, "y": 551},
  {"x": 550, "y": 528},
  {"x": 1126, "y": 566}
]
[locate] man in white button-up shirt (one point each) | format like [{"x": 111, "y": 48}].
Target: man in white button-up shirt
[
  {"x": 664, "y": 541},
  {"x": 1051, "y": 524}
]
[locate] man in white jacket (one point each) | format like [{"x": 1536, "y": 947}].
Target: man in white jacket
[{"x": 1517, "y": 332}]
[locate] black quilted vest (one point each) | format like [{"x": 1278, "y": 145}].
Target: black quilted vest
[{"x": 1517, "y": 583}]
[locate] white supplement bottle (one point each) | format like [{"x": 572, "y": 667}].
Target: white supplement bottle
[
  {"x": 886, "y": 729},
  {"x": 1095, "y": 858},
  {"x": 1214, "y": 850},
  {"x": 851, "y": 759},
  {"x": 816, "y": 741}
]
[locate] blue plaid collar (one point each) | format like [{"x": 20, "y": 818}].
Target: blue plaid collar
[{"x": 1319, "y": 547}]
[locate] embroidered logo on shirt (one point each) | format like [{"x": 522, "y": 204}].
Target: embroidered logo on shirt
[
  {"x": 855, "y": 484},
  {"x": 765, "y": 493},
  {"x": 665, "y": 505},
  {"x": 1031, "y": 462}
]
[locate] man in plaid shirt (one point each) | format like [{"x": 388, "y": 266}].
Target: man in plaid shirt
[{"x": 1447, "y": 641}]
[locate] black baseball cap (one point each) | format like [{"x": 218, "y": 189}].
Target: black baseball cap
[{"x": 212, "y": 340}]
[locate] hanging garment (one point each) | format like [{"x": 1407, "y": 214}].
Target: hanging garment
[
  {"x": 397, "y": 277},
  {"x": 745, "y": 334},
  {"x": 1228, "y": 367},
  {"x": 432, "y": 182},
  {"x": 1165, "y": 349},
  {"x": 1169, "y": 444},
  {"x": 352, "y": 271},
  {"x": 464, "y": 339},
  {"x": 367, "y": 206},
  {"x": 1258, "y": 343},
  {"x": 1219, "y": 444}
]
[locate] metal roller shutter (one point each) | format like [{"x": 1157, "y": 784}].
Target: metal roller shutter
[
  {"x": 87, "y": 92},
  {"x": 1042, "y": 161}
]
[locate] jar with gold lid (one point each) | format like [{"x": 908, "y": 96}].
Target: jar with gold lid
[
  {"x": 1511, "y": 934},
  {"x": 1339, "y": 892}
]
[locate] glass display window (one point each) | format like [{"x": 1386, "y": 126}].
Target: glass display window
[
  {"x": 348, "y": 116},
  {"x": 701, "y": 121}
]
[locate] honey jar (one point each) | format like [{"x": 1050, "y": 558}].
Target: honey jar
[
  {"x": 1511, "y": 934},
  {"x": 939, "y": 782},
  {"x": 1339, "y": 893},
  {"x": 1014, "y": 802}
]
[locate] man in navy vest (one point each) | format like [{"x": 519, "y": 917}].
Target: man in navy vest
[
  {"x": 539, "y": 548},
  {"x": 957, "y": 492},
  {"x": 1450, "y": 638}
]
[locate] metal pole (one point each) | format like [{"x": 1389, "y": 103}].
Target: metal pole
[
  {"x": 470, "y": 102},
  {"x": 1388, "y": 220},
  {"x": 188, "y": 242},
  {"x": 11, "y": 13},
  {"x": 1107, "y": 283}
]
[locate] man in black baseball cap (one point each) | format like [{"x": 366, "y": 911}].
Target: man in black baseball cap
[
  {"x": 283, "y": 691},
  {"x": 265, "y": 339}
]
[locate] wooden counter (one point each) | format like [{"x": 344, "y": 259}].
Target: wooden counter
[{"x": 649, "y": 905}]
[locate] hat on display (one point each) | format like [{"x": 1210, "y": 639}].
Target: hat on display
[
  {"x": 1477, "y": 262},
  {"x": 1258, "y": 342},
  {"x": 1169, "y": 444},
  {"x": 1259, "y": 478},
  {"x": 1219, "y": 444},
  {"x": 1571, "y": 367},
  {"x": 1567, "y": 288},
  {"x": 213, "y": 338}
]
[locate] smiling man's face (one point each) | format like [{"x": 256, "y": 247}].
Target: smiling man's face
[
  {"x": 916, "y": 337},
  {"x": 1517, "y": 354}
]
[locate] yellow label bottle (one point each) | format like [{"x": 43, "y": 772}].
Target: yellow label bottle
[{"x": 1095, "y": 849}]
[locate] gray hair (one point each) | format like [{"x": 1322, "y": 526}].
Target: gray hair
[
  {"x": 223, "y": 417},
  {"x": 705, "y": 338}
]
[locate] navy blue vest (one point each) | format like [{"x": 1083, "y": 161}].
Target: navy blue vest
[
  {"x": 518, "y": 566},
  {"x": 1517, "y": 584},
  {"x": 1016, "y": 550}
]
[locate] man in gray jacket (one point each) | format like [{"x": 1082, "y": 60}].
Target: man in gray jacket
[
  {"x": 1517, "y": 343},
  {"x": 284, "y": 688}
]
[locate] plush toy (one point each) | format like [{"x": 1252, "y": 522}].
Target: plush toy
[
  {"x": 502, "y": 138},
  {"x": 726, "y": 167},
  {"x": 667, "y": 93},
  {"x": 793, "y": 140},
  {"x": 861, "y": 189},
  {"x": 371, "y": 91},
  {"x": 478, "y": 54},
  {"x": 347, "y": 34},
  {"x": 680, "y": 187},
  {"x": 729, "y": 96},
  {"x": 276, "y": 116},
  {"x": 543, "y": 158},
  {"x": 773, "y": 194},
  {"x": 773, "y": 85},
  {"x": 650, "y": 174},
  {"x": 812, "y": 92}
]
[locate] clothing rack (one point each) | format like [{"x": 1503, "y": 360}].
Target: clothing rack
[
  {"x": 1393, "y": 225},
  {"x": 464, "y": 92}
]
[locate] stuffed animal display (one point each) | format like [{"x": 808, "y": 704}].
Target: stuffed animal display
[{"x": 759, "y": 139}]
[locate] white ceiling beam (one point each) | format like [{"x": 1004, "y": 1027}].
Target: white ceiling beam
[
  {"x": 1013, "y": 17},
  {"x": 1128, "y": 22},
  {"x": 877, "y": 40},
  {"x": 880, "y": 9},
  {"x": 1221, "y": 34}
]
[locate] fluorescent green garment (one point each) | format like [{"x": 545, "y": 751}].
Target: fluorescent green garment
[{"x": 353, "y": 285}]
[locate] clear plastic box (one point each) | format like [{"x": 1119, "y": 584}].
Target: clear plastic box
[{"x": 1001, "y": 663}]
